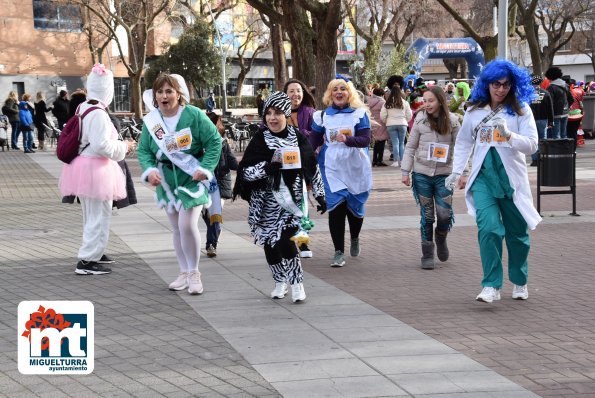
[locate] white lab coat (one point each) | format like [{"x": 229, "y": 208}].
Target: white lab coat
[{"x": 522, "y": 142}]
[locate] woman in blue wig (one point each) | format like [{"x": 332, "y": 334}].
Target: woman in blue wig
[{"x": 500, "y": 125}]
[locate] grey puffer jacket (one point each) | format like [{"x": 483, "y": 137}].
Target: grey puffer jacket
[{"x": 418, "y": 145}]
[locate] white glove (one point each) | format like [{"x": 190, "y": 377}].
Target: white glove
[
  {"x": 500, "y": 125},
  {"x": 451, "y": 181}
]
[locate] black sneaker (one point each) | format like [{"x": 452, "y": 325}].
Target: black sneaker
[
  {"x": 533, "y": 163},
  {"x": 106, "y": 260},
  {"x": 91, "y": 268},
  {"x": 305, "y": 251}
]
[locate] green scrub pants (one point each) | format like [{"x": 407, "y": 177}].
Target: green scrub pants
[{"x": 499, "y": 218}]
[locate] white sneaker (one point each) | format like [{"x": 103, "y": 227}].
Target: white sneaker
[
  {"x": 194, "y": 283},
  {"x": 489, "y": 294},
  {"x": 520, "y": 292},
  {"x": 180, "y": 283},
  {"x": 305, "y": 251},
  {"x": 396, "y": 164},
  {"x": 280, "y": 290},
  {"x": 297, "y": 292}
]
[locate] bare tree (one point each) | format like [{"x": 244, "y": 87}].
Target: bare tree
[
  {"x": 312, "y": 27},
  {"x": 475, "y": 18},
  {"x": 377, "y": 21},
  {"x": 255, "y": 37},
  {"x": 586, "y": 33},
  {"x": 137, "y": 19}
]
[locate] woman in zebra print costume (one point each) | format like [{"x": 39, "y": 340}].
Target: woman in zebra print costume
[{"x": 275, "y": 194}]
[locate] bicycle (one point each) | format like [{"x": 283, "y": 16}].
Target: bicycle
[{"x": 130, "y": 129}]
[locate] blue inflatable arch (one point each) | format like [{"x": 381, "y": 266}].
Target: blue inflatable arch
[{"x": 448, "y": 48}]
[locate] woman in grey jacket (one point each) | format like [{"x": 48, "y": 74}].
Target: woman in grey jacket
[{"x": 431, "y": 144}]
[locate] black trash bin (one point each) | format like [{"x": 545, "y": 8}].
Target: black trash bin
[{"x": 556, "y": 162}]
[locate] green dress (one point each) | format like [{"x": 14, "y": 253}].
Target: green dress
[{"x": 177, "y": 189}]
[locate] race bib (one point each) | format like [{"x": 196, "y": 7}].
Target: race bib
[
  {"x": 289, "y": 157},
  {"x": 438, "y": 152},
  {"x": 184, "y": 139},
  {"x": 490, "y": 136},
  {"x": 333, "y": 132}
]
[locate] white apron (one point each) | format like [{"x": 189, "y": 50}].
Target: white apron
[{"x": 345, "y": 167}]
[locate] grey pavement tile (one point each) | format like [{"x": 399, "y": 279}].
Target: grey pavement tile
[
  {"x": 310, "y": 370},
  {"x": 445, "y": 382},
  {"x": 349, "y": 387},
  {"x": 391, "y": 348},
  {"x": 423, "y": 363},
  {"x": 299, "y": 345}
]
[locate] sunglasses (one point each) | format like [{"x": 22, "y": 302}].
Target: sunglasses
[{"x": 498, "y": 84}]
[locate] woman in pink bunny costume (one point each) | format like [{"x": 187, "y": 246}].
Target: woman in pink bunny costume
[{"x": 94, "y": 176}]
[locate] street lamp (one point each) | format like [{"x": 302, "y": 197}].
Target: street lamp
[{"x": 223, "y": 60}]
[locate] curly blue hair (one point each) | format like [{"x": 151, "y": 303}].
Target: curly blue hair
[{"x": 520, "y": 80}]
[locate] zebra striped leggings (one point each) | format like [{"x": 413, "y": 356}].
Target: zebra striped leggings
[{"x": 284, "y": 261}]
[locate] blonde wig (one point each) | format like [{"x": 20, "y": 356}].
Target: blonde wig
[{"x": 354, "y": 99}]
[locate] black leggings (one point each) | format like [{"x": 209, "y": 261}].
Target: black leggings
[
  {"x": 336, "y": 223},
  {"x": 283, "y": 259},
  {"x": 378, "y": 152},
  {"x": 285, "y": 248}
]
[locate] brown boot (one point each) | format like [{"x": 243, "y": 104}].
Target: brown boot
[
  {"x": 427, "y": 249},
  {"x": 41, "y": 147},
  {"x": 441, "y": 247}
]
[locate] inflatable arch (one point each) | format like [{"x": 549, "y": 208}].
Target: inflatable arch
[{"x": 448, "y": 48}]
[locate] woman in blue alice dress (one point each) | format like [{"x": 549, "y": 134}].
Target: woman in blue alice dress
[{"x": 344, "y": 163}]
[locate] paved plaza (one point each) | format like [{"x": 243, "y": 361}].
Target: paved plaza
[{"x": 378, "y": 327}]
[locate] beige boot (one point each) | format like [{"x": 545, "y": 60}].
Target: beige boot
[{"x": 41, "y": 147}]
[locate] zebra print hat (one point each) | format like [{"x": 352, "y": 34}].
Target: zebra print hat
[{"x": 278, "y": 100}]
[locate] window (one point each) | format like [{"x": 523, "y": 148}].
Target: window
[
  {"x": 121, "y": 101},
  {"x": 566, "y": 47},
  {"x": 52, "y": 15}
]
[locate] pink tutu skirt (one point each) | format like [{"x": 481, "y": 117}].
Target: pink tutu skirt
[{"x": 94, "y": 178}]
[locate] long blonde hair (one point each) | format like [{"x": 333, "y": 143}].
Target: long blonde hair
[
  {"x": 13, "y": 95},
  {"x": 354, "y": 98},
  {"x": 39, "y": 96}
]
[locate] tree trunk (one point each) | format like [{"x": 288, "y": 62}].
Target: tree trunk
[
  {"x": 241, "y": 78},
  {"x": 279, "y": 59},
  {"x": 489, "y": 44},
  {"x": 325, "y": 26},
  {"x": 136, "y": 97},
  {"x": 301, "y": 36}
]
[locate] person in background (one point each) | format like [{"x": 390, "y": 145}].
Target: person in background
[
  {"x": 428, "y": 156},
  {"x": 210, "y": 103},
  {"x": 344, "y": 163},
  {"x": 76, "y": 98},
  {"x": 11, "y": 110},
  {"x": 499, "y": 130},
  {"x": 449, "y": 92},
  {"x": 575, "y": 112},
  {"x": 178, "y": 151},
  {"x": 459, "y": 99},
  {"x": 561, "y": 100},
  {"x": 227, "y": 162},
  {"x": 94, "y": 176},
  {"x": 543, "y": 113},
  {"x": 275, "y": 188},
  {"x": 376, "y": 104},
  {"x": 60, "y": 108},
  {"x": 396, "y": 113},
  {"x": 40, "y": 118},
  {"x": 303, "y": 107},
  {"x": 26, "y": 125}
]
